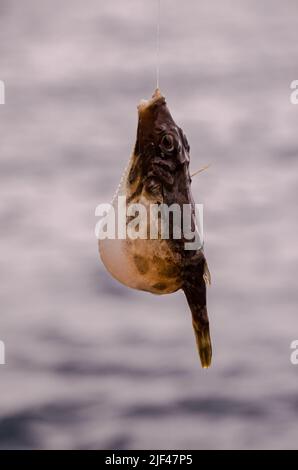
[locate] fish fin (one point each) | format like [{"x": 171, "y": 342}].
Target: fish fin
[
  {"x": 195, "y": 291},
  {"x": 204, "y": 345},
  {"x": 207, "y": 275},
  {"x": 200, "y": 170}
]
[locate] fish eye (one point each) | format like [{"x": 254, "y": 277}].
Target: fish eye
[{"x": 167, "y": 143}]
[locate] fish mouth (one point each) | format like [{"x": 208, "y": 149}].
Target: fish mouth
[
  {"x": 157, "y": 97},
  {"x": 154, "y": 118}
]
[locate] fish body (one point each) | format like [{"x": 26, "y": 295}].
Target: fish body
[{"x": 158, "y": 175}]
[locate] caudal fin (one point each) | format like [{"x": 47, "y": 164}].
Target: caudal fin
[
  {"x": 195, "y": 293},
  {"x": 203, "y": 340}
]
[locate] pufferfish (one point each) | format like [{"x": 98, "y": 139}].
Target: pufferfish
[{"x": 158, "y": 173}]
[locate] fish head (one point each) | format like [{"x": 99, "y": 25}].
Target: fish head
[{"x": 160, "y": 163}]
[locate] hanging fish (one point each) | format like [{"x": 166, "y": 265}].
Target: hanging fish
[{"x": 158, "y": 174}]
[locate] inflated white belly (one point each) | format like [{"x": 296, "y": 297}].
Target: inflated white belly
[{"x": 142, "y": 264}]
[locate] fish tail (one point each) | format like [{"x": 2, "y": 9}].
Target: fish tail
[
  {"x": 196, "y": 298},
  {"x": 203, "y": 340}
]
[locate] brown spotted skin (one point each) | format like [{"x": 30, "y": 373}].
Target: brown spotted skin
[{"x": 159, "y": 173}]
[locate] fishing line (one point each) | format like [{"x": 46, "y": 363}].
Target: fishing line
[{"x": 158, "y": 43}]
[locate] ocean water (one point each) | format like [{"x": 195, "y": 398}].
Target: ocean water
[{"x": 91, "y": 364}]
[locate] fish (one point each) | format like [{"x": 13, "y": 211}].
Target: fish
[{"x": 158, "y": 174}]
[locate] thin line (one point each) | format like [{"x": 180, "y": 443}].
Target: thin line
[
  {"x": 200, "y": 170},
  {"x": 158, "y": 43}
]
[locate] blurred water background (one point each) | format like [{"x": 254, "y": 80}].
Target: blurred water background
[{"x": 90, "y": 363}]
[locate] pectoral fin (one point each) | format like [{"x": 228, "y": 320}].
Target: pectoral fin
[{"x": 207, "y": 275}]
